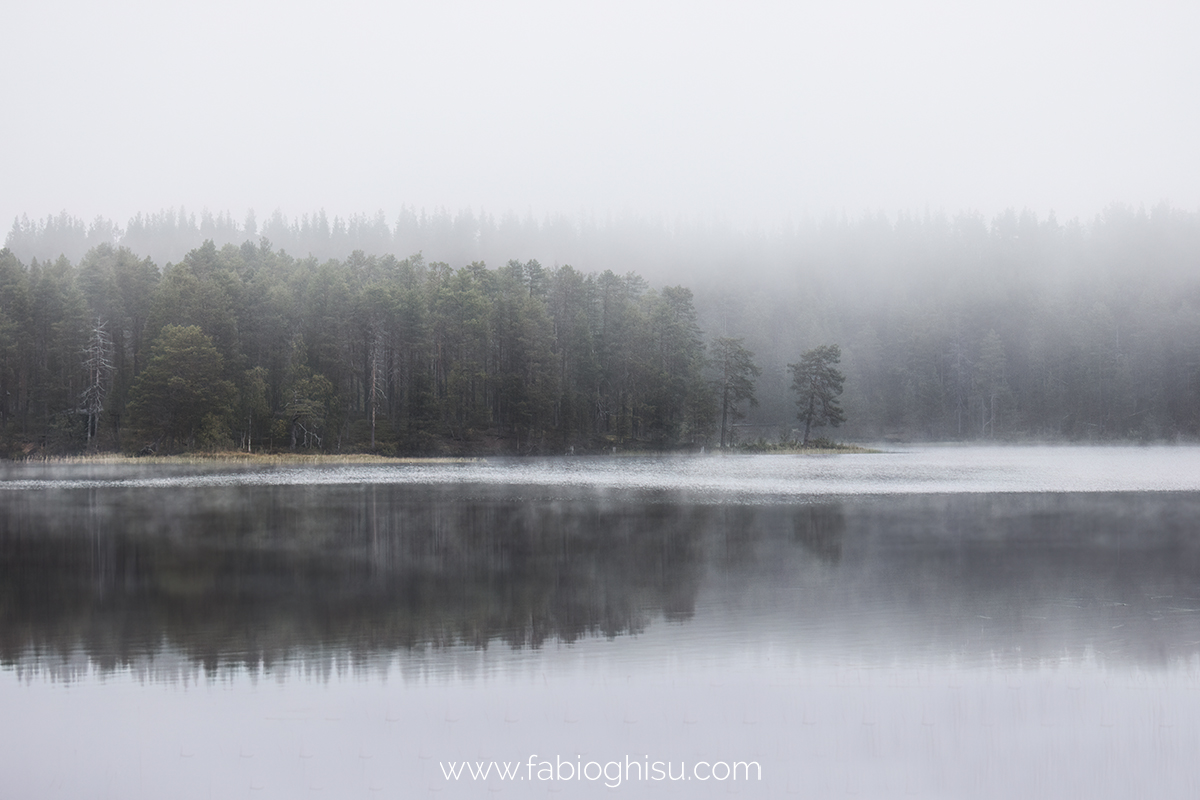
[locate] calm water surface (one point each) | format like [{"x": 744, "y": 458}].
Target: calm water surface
[{"x": 946, "y": 622}]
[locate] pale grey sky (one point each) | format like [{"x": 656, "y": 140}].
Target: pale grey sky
[{"x": 748, "y": 112}]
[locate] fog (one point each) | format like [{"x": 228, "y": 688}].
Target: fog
[
  {"x": 890, "y": 559},
  {"x": 671, "y": 113}
]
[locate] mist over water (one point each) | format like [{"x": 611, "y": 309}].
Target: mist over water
[
  {"x": 941, "y": 619},
  {"x": 739, "y": 479}
]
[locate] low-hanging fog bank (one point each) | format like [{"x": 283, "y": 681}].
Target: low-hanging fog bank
[{"x": 949, "y": 327}]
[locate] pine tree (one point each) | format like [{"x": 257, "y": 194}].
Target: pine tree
[
  {"x": 736, "y": 371},
  {"x": 818, "y": 383}
]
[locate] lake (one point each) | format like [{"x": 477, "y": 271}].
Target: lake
[{"x": 931, "y": 622}]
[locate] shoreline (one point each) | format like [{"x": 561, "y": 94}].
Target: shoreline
[{"x": 235, "y": 457}]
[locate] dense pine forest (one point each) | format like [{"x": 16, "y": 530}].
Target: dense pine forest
[{"x": 1017, "y": 328}]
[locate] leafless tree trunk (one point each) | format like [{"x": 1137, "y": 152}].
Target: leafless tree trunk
[
  {"x": 377, "y": 385},
  {"x": 98, "y": 361}
]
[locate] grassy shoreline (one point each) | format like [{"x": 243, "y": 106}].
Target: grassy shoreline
[
  {"x": 239, "y": 457},
  {"x": 797, "y": 450},
  {"x": 236, "y": 457}
]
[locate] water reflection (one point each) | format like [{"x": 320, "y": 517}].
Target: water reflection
[
  {"x": 819, "y": 529},
  {"x": 259, "y": 574}
]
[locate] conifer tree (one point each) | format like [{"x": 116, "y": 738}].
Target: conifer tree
[{"x": 817, "y": 382}]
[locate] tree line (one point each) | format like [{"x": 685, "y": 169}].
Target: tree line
[
  {"x": 246, "y": 347},
  {"x": 947, "y": 329}
]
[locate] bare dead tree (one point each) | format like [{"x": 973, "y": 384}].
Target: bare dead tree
[
  {"x": 378, "y": 381},
  {"x": 98, "y": 361}
]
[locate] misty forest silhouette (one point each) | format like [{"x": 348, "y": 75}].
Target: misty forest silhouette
[{"x": 949, "y": 329}]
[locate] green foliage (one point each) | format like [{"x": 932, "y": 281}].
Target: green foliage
[
  {"x": 119, "y": 289},
  {"x": 214, "y": 433},
  {"x": 254, "y": 407},
  {"x": 199, "y": 291},
  {"x": 309, "y": 401},
  {"x": 58, "y": 334},
  {"x": 734, "y": 384},
  {"x": 181, "y": 393},
  {"x": 947, "y": 330},
  {"x": 675, "y": 376},
  {"x": 818, "y": 383},
  {"x": 15, "y": 346}
]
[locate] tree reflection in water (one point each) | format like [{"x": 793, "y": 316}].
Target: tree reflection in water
[{"x": 256, "y": 575}]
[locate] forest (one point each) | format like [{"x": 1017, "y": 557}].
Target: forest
[{"x": 947, "y": 329}]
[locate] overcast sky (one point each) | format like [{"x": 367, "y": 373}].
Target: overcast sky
[{"x": 749, "y": 112}]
